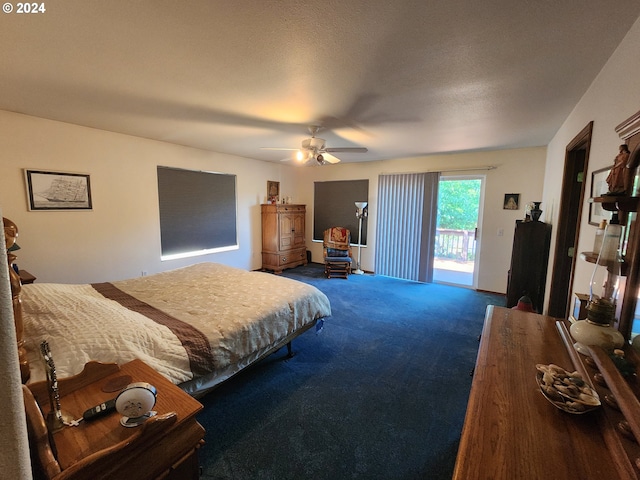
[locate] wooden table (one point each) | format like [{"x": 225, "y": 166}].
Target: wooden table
[
  {"x": 164, "y": 447},
  {"x": 511, "y": 431}
]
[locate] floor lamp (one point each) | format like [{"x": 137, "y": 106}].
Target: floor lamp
[{"x": 361, "y": 213}]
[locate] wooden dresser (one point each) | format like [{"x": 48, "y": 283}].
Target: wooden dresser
[
  {"x": 164, "y": 447},
  {"x": 283, "y": 236},
  {"x": 511, "y": 431}
]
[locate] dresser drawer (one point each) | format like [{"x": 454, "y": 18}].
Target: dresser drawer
[
  {"x": 293, "y": 256},
  {"x": 288, "y": 208}
]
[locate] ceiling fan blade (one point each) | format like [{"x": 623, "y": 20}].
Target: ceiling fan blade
[
  {"x": 347, "y": 149},
  {"x": 277, "y": 148}
]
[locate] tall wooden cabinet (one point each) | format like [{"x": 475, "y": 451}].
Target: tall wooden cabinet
[
  {"x": 529, "y": 259},
  {"x": 283, "y": 236}
]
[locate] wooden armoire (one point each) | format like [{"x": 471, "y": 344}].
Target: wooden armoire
[
  {"x": 529, "y": 259},
  {"x": 283, "y": 236}
]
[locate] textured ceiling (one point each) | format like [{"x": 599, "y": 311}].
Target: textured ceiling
[{"x": 402, "y": 78}]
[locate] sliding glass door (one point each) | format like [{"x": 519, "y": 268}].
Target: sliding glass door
[{"x": 459, "y": 213}]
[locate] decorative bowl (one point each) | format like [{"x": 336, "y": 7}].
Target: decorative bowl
[{"x": 566, "y": 390}]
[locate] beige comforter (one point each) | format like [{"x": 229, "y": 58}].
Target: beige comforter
[{"x": 239, "y": 313}]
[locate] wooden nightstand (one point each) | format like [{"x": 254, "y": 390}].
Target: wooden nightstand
[
  {"x": 165, "y": 446},
  {"x": 26, "y": 277}
]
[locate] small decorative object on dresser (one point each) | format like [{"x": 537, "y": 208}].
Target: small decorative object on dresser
[
  {"x": 283, "y": 236},
  {"x": 535, "y": 211}
]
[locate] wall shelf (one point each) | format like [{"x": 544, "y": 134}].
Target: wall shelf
[
  {"x": 614, "y": 204},
  {"x": 592, "y": 257}
]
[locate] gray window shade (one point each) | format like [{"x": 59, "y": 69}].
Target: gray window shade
[
  {"x": 334, "y": 206},
  {"x": 197, "y": 210}
]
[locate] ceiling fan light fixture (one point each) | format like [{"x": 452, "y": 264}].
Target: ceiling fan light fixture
[
  {"x": 314, "y": 143},
  {"x": 314, "y": 150}
]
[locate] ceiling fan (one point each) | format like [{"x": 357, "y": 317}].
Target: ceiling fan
[{"x": 314, "y": 149}]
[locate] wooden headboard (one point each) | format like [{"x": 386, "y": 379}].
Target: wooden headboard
[{"x": 10, "y": 235}]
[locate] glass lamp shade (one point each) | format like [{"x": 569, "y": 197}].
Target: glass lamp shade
[
  {"x": 361, "y": 212},
  {"x": 597, "y": 328}
]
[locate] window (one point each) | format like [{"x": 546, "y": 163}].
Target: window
[
  {"x": 334, "y": 206},
  {"x": 197, "y": 212}
]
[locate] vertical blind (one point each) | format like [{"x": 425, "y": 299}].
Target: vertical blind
[{"x": 407, "y": 218}]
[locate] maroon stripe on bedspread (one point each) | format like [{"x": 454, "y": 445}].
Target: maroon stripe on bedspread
[{"x": 192, "y": 339}]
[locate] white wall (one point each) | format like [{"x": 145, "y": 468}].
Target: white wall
[
  {"x": 519, "y": 171},
  {"x": 613, "y": 97},
  {"x": 120, "y": 237}
]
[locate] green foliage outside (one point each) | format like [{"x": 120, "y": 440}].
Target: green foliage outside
[{"x": 458, "y": 202}]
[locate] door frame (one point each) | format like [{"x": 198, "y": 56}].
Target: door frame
[{"x": 567, "y": 230}]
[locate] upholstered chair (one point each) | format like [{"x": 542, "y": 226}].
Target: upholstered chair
[{"x": 337, "y": 252}]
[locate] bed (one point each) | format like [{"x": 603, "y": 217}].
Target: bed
[{"x": 197, "y": 325}]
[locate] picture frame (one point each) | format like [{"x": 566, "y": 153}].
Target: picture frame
[
  {"x": 55, "y": 191},
  {"x": 511, "y": 201},
  {"x": 273, "y": 191},
  {"x": 599, "y": 187}
]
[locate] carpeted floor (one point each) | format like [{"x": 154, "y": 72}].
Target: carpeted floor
[{"x": 379, "y": 393}]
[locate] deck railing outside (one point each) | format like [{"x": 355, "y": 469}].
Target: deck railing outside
[{"x": 459, "y": 245}]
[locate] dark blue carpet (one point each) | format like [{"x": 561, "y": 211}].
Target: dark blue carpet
[{"x": 379, "y": 393}]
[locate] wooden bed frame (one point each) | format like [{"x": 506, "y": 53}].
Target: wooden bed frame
[{"x": 11, "y": 233}]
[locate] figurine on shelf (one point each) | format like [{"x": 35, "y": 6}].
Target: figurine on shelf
[{"x": 617, "y": 175}]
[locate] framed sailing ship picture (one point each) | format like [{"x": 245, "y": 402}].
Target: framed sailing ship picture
[{"x": 57, "y": 190}]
